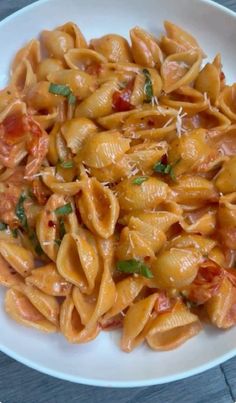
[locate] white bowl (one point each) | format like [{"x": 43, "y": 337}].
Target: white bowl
[{"x": 101, "y": 362}]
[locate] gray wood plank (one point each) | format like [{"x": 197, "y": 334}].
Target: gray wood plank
[
  {"x": 32, "y": 387},
  {"x": 19, "y": 384}
]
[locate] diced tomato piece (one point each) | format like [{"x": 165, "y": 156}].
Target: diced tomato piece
[
  {"x": 13, "y": 128},
  {"x": 121, "y": 99}
]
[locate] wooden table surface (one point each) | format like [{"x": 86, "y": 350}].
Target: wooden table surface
[{"x": 19, "y": 384}]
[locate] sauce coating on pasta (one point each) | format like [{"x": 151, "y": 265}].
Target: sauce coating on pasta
[{"x": 118, "y": 187}]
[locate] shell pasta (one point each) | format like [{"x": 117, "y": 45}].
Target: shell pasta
[{"x": 118, "y": 187}]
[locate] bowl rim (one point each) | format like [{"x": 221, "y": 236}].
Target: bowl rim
[{"x": 100, "y": 382}]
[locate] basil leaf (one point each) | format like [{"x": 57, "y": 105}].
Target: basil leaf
[
  {"x": 148, "y": 89},
  {"x": 64, "y": 210},
  {"x": 164, "y": 169},
  {"x": 3, "y": 226},
  {"x": 134, "y": 266},
  {"x": 67, "y": 164},
  {"x": 72, "y": 99},
  {"x": 20, "y": 211},
  {"x": 59, "y": 89},
  {"x": 139, "y": 180}
]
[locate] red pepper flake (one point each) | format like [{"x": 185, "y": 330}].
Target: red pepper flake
[
  {"x": 150, "y": 122},
  {"x": 121, "y": 99},
  {"x": 51, "y": 224},
  {"x": 164, "y": 159}
]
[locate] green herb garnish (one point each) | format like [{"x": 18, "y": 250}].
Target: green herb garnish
[
  {"x": 20, "y": 211},
  {"x": 139, "y": 180},
  {"x": 134, "y": 266},
  {"x": 63, "y": 90},
  {"x": 148, "y": 89},
  {"x": 60, "y": 89},
  {"x": 64, "y": 210},
  {"x": 35, "y": 242},
  {"x": 72, "y": 99},
  {"x": 164, "y": 169},
  {"x": 3, "y": 226},
  {"x": 14, "y": 232},
  {"x": 67, "y": 164},
  {"x": 62, "y": 229},
  {"x": 57, "y": 242}
]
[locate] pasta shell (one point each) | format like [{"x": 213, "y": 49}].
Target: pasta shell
[
  {"x": 98, "y": 207},
  {"x": 145, "y": 48},
  {"x": 47, "y": 305},
  {"x": 221, "y": 307},
  {"x": 102, "y": 149},
  {"x": 144, "y": 197},
  {"x": 150, "y": 124},
  {"x": 46, "y": 121},
  {"x": 71, "y": 326},
  {"x": 113, "y": 47},
  {"x": 115, "y": 120},
  {"x": 20, "y": 309},
  {"x": 84, "y": 59},
  {"x": 16, "y": 256},
  {"x": 39, "y": 98},
  {"x": 162, "y": 220},
  {"x": 132, "y": 245},
  {"x": 208, "y": 81},
  {"x": 226, "y": 102},
  {"x": 204, "y": 225},
  {"x": 31, "y": 53},
  {"x": 135, "y": 320},
  {"x": 226, "y": 180},
  {"x": 73, "y": 30},
  {"x": 7, "y": 96},
  {"x": 227, "y": 220},
  {"x": 8, "y": 277},
  {"x": 23, "y": 77},
  {"x": 197, "y": 242},
  {"x": 57, "y": 185},
  {"x": 144, "y": 156},
  {"x": 126, "y": 292},
  {"x": 171, "y": 329},
  {"x": 48, "y": 66},
  {"x": 186, "y": 99},
  {"x": 114, "y": 172},
  {"x": 194, "y": 191},
  {"x": 48, "y": 280},
  {"x": 175, "y": 268},
  {"x": 47, "y": 227},
  {"x": 180, "y": 69},
  {"x": 178, "y": 40},
  {"x": 77, "y": 260},
  {"x": 57, "y": 43},
  {"x": 99, "y": 103},
  {"x": 154, "y": 235},
  {"x": 138, "y": 96},
  {"x": 81, "y": 83},
  {"x": 210, "y": 119},
  {"x": 75, "y": 131}
]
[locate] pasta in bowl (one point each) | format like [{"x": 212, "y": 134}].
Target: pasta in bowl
[{"x": 117, "y": 188}]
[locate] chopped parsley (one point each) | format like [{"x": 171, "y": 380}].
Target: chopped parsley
[
  {"x": 67, "y": 164},
  {"x": 20, "y": 211},
  {"x": 3, "y": 226},
  {"x": 139, "y": 180},
  {"x": 63, "y": 90},
  {"x": 134, "y": 266},
  {"x": 148, "y": 89},
  {"x": 64, "y": 210}
]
